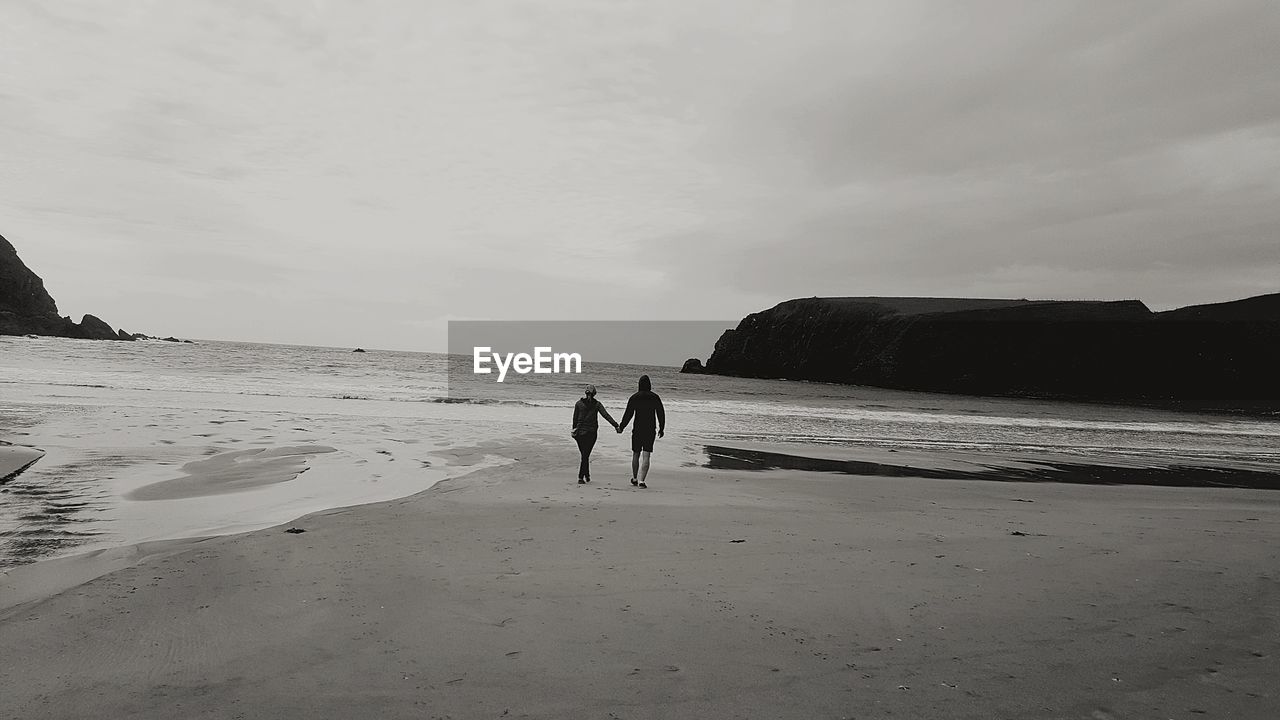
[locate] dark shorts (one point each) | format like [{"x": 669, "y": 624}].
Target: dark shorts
[{"x": 642, "y": 440}]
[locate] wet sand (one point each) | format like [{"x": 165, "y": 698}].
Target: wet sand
[
  {"x": 1043, "y": 467},
  {"x": 232, "y": 472},
  {"x": 110, "y": 475},
  {"x": 16, "y": 458},
  {"x": 515, "y": 592}
]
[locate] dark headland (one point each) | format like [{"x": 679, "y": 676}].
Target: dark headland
[
  {"x": 26, "y": 308},
  {"x": 1219, "y": 356}
]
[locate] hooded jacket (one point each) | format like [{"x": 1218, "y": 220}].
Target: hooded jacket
[{"x": 646, "y": 407}]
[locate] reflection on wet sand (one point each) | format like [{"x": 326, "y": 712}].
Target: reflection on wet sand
[{"x": 1026, "y": 470}]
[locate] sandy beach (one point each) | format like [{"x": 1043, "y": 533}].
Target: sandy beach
[
  {"x": 957, "y": 325},
  {"x": 515, "y": 592}
]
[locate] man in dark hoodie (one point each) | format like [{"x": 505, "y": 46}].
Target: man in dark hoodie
[{"x": 651, "y": 420}]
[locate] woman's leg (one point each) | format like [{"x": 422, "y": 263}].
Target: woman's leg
[
  {"x": 582, "y": 452},
  {"x": 586, "y": 441}
]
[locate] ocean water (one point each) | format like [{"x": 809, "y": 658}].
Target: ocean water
[{"x": 115, "y": 415}]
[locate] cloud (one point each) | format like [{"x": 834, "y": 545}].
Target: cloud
[
  {"x": 1113, "y": 151},
  {"x": 574, "y": 159},
  {"x": 1042, "y": 85}
]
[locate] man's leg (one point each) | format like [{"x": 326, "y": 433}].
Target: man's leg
[
  {"x": 635, "y": 466},
  {"x": 644, "y": 467}
]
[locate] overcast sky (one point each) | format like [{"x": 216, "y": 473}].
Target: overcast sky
[{"x": 341, "y": 173}]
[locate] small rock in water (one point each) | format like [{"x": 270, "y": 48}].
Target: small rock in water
[{"x": 295, "y": 530}]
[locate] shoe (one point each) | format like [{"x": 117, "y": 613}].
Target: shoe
[
  {"x": 633, "y": 481},
  {"x": 581, "y": 481},
  {"x": 588, "y": 478},
  {"x": 643, "y": 485}
]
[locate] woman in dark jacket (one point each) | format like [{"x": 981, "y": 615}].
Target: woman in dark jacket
[{"x": 585, "y": 426}]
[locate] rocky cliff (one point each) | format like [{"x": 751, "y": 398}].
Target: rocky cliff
[
  {"x": 1221, "y": 355},
  {"x": 27, "y": 309}
]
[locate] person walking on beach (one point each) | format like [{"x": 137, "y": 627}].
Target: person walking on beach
[
  {"x": 584, "y": 430},
  {"x": 651, "y": 420}
]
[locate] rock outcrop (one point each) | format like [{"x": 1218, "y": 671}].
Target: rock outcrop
[
  {"x": 1222, "y": 355},
  {"x": 26, "y": 308},
  {"x": 96, "y": 328},
  {"x": 693, "y": 366}
]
